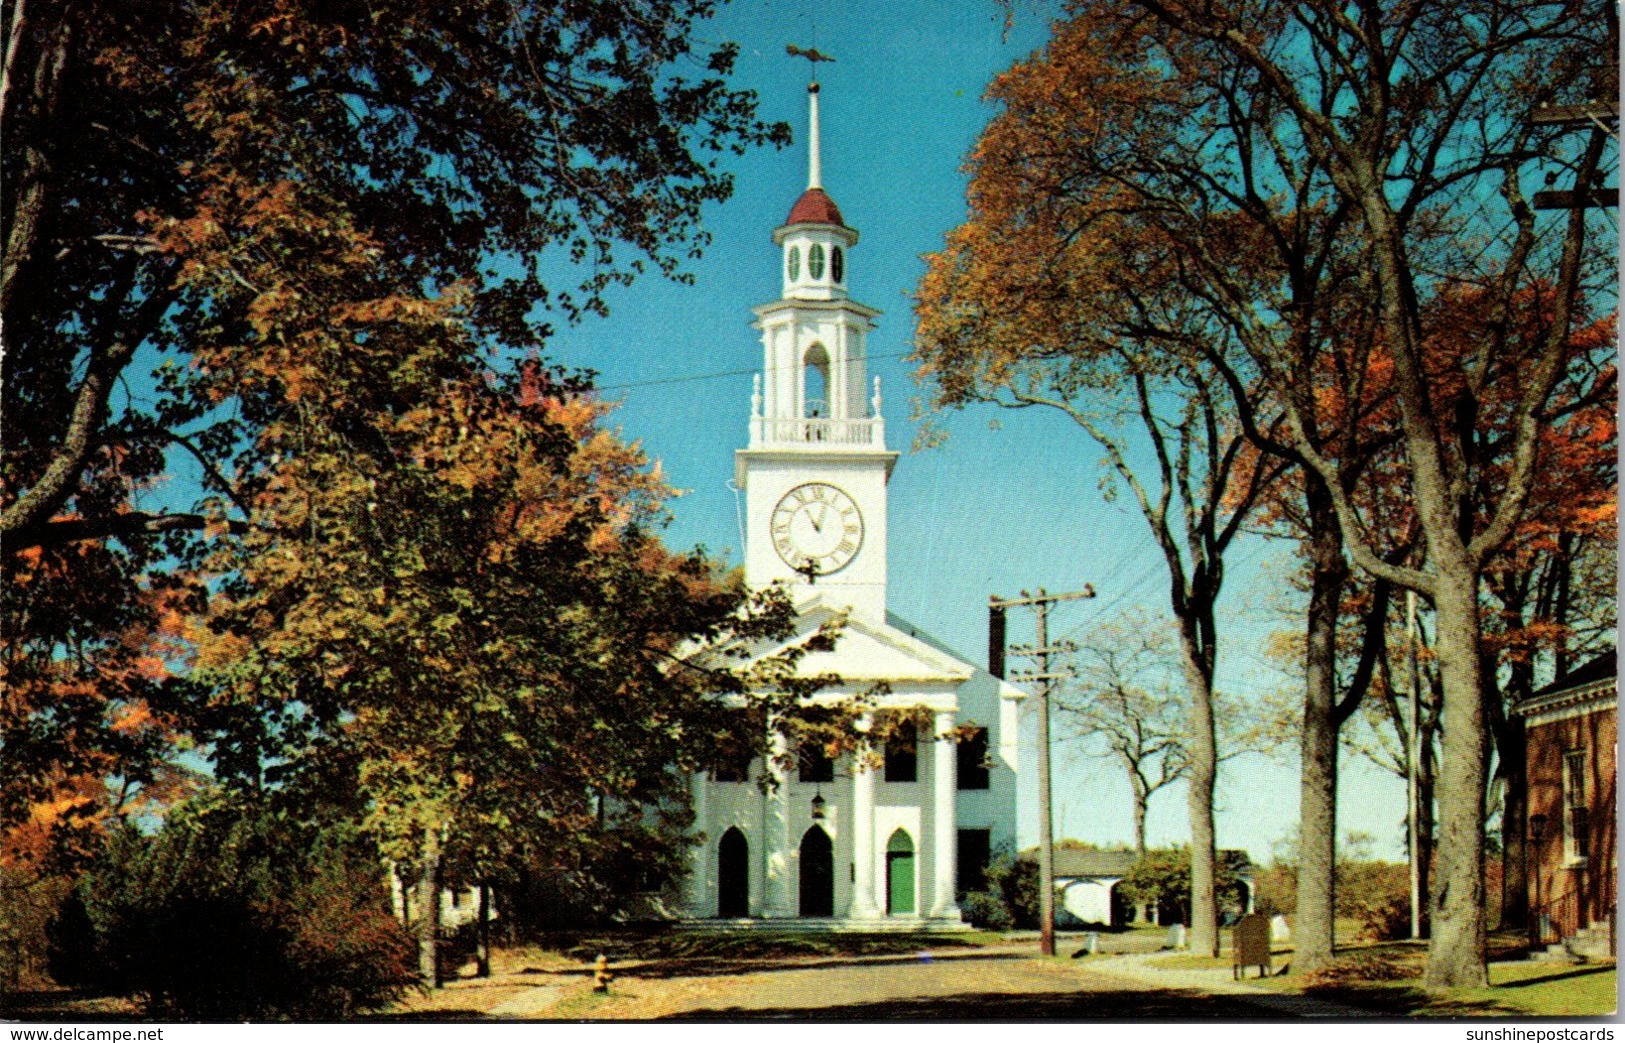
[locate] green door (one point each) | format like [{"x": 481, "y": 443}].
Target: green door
[{"x": 899, "y": 875}]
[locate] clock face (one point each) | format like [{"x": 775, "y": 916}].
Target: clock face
[{"x": 817, "y": 529}]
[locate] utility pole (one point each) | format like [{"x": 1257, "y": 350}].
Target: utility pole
[
  {"x": 1599, "y": 117},
  {"x": 1046, "y": 677}
]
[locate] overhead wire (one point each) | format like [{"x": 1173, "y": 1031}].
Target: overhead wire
[{"x": 719, "y": 374}]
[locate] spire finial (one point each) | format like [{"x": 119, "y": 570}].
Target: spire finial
[
  {"x": 813, "y": 56},
  {"x": 815, "y": 178}
]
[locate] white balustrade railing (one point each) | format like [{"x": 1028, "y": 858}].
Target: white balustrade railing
[{"x": 802, "y": 431}]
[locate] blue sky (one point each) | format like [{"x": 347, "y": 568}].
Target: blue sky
[{"x": 1011, "y": 501}]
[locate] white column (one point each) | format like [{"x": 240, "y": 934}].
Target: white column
[
  {"x": 700, "y": 891},
  {"x": 863, "y": 838},
  {"x": 775, "y": 850},
  {"x": 945, "y": 823}
]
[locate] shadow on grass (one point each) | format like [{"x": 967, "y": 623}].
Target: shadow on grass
[
  {"x": 1407, "y": 1000},
  {"x": 704, "y": 967},
  {"x": 1577, "y": 972},
  {"x": 1159, "y": 1005},
  {"x": 672, "y": 944}
]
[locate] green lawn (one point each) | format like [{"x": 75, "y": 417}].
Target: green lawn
[{"x": 1517, "y": 989}]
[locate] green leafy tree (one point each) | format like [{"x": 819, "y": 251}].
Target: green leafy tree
[
  {"x": 256, "y": 198},
  {"x": 459, "y": 609},
  {"x": 1163, "y": 878}
]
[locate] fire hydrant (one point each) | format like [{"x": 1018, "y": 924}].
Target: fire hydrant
[{"x": 600, "y": 974}]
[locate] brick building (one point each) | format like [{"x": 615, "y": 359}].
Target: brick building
[{"x": 1571, "y": 728}]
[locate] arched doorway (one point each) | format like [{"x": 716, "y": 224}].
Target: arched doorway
[
  {"x": 900, "y": 875},
  {"x": 1122, "y": 908},
  {"x": 733, "y": 875},
  {"x": 817, "y": 873}
]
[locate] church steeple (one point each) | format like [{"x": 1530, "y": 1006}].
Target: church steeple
[
  {"x": 816, "y": 469},
  {"x": 814, "y": 239},
  {"x": 814, "y": 390}
]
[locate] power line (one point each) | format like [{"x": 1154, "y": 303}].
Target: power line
[{"x": 717, "y": 375}]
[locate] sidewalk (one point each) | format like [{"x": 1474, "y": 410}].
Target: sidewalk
[{"x": 1139, "y": 968}]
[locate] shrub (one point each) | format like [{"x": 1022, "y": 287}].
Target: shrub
[
  {"x": 1377, "y": 894},
  {"x": 234, "y": 912},
  {"x": 1275, "y": 889},
  {"x": 1356, "y": 970},
  {"x": 1374, "y": 893},
  {"x": 28, "y": 904},
  {"x": 1163, "y": 877},
  {"x": 71, "y": 944},
  {"x": 1385, "y": 921},
  {"x": 1010, "y": 899},
  {"x": 1015, "y": 882},
  {"x": 987, "y": 910}
]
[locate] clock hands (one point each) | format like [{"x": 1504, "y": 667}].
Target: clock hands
[{"x": 802, "y": 535}]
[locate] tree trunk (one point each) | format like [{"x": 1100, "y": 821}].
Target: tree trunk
[
  {"x": 1514, "y": 815},
  {"x": 429, "y": 911},
  {"x": 1426, "y": 773},
  {"x": 1513, "y": 592},
  {"x": 482, "y": 939},
  {"x": 1313, "y": 932},
  {"x": 1142, "y": 802},
  {"x": 1204, "y": 763},
  {"x": 1457, "y": 948}
]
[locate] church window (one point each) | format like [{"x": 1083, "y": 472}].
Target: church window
[
  {"x": 974, "y": 853},
  {"x": 837, "y": 265},
  {"x": 815, "y": 261},
  {"x": 1576, "y": 822},
  {"x": 902, "y": 762},
  {"x": 793, "y": 263},
  {"x": 734, "y": 756},
  {"x": 816, "y": 765},
  {"x": 972, "y": 761}
]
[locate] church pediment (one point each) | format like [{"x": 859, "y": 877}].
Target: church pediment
[{"x": 866, "y": 652}]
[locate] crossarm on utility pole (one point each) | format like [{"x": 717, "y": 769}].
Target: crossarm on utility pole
[{"x": 1042, "y": 650}]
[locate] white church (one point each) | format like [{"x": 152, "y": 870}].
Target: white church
[{"x": 837, "y": 844}]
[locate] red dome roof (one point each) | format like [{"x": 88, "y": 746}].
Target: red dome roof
[{"x": 815, "y": 207}]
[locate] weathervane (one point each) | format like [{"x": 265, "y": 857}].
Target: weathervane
[{"x": 812, "y": 54}]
